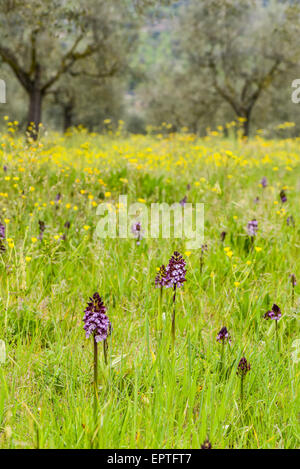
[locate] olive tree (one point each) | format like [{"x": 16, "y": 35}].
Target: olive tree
[
  {"x": 241, "y": 46},
  {"x": 43, "y": 40}
]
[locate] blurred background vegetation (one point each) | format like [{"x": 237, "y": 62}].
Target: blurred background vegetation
[{"x": 173, "y": 65}]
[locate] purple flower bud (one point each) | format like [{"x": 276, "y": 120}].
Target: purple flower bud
[
  {"x": 275, "y": 313},
  {"x": 42, "y": 227},
  {"x": 252, "y": 227},
  {"x": 293, "y": 279},
  {"x": 5, "y": 168},
  {"x": 2, "y": 231},
  {"x": 243, "y": 367},
  {"x": 283, "y": 196},
  {"x": 67, "y": 224},
  {"x": 137, "y": 232},
  {"x": 290, "y": 220},
  {"x": 161, "y": 277},
  {"x": 2, "y": 237},
  {"x": 223, "y": 236},
  {"x": 264, "y": 182},
  {"x": 183, "y": 201},
  {"x": 96, "y": 322},
  {"x": 136, "y": 227},
  {"x": 223, "y": 336},
  {"x": 206, "y": 444},
  {"x": 58, "y": 197}
]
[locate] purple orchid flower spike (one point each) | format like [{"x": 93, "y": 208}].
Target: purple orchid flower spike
[
  {"x": 161, "y": 278},
  {"x": 175, "y": 271},
  {"x": 223, "y": 236},
  {"x": 97, "y": 325},
  {"x": 293, "y": 279},
  {"x": 283, "y": 196},
  {"x": 242, "y": 370},
  {"x": 2, "y": 231},
  {"x": 290, "y": 221},
  {"x": 95, "y": 320},
  {"x": 2, "y": 237},
  {"x": 243, "y": 367},
  {"x": 264, "y": 182},
  {"x": 183, "y": 201},
  {"x": 252, "y": 227},
  {"x": 206, "y": 444},
  {"x": 173, "y": 277},
  {"x": 137, "y": 232},
  {"x": 224, "y": 336},
  {"x": 42, "y": 227},
  {"x": 274, "y": 313}
]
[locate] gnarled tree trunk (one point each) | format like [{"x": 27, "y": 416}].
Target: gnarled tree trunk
[
  {"x": 36, "y": 95},
  {"x": 68, "y": 113},
  {"x": 35, "y": 112}
]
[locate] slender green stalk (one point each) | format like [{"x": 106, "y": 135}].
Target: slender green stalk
[
  {"x": 173, "y": 317},
  {"x": 95, "y": 372},
  {"x": 277, "y": 336},
  {"x": 105, "y": 349},
  {"x": 159, "y": 319},
  {"x": 160, "y": 298},
  {"x": 242, "y": 391},
  {"x": 201, "y": 262},
  {"x": 222, "y": 355}
]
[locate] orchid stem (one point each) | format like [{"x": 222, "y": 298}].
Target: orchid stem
[{"x": 173, "y": 317}]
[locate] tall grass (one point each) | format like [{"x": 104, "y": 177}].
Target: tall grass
[{"x": 148, "y": 396}]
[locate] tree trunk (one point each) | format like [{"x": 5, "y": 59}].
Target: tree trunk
[
  {"x": 246, "y": 114},
  {"x": 35, "y": 104},
  {"x": 35, "y": 111},
  {"x": 68, "y": 115},
  {"x": 246, "y": 126}
]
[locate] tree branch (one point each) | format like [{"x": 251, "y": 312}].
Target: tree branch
[
  {"x": 264, "y": 82},
  {"x": 223, "y": 92},
  {"x": 23, "y": 76},
  {"x": 107, "y": 73},
  {"x": 33, "y": 37},
  {"x": 68, "y": 61}
]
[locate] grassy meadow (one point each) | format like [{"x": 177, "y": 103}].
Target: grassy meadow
[{"x": 149, "y": 395}]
